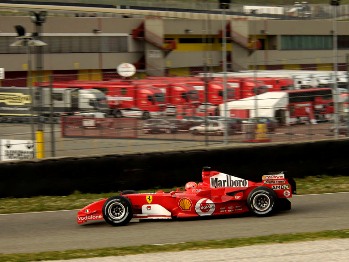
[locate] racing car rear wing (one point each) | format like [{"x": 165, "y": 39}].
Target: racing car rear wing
[{"x": 280, "y": 175}]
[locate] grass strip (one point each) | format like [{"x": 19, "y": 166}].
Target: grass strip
[{"x": 197, "y": 245}]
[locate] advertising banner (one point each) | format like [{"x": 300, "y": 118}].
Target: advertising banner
[
  {"x": 15, "y": 101},
  {"x": 16, "y": 150}
]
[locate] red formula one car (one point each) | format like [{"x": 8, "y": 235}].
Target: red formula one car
[{"x": 218, "y": 194}]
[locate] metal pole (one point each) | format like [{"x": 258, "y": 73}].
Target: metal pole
[
  {"x": 205, "y": 35},
  {"x": 40, "y": 131},
  {"x": 38, "y": 18},
  {"x": 206, "y": 101},
  {"x": 335, "y": 64},
  {"x": 347, "y": 98},
  {"x": 255, "y": 67},
  {"x": 53, "y": 144},
  {"x": 224, "y": 56},
  {"x": 32, "y": 127}
]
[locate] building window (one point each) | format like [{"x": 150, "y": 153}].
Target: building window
[
  {"x": 291, "y": 42},
  {"x": 57, "y": 96},
  {"x": 5, "y": 45},
  {"x": 200, "y": 40},
  {"x": 343, "y": 42},
  {"x": 71, "y": 44}
]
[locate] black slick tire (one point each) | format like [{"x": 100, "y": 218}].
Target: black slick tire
[
  {"x": 262, "y": 201},
  {"x": 117, "y": 211}
]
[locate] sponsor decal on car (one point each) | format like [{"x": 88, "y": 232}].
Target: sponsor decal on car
[
  {"x": 205, "y": 207},
  {"x": 224, "y": 180},
  {"x": 280, "y": 187},
  {"x": 228, "y": 209},
  {"x": 275, "y": 181},
  {"x": 90, "y": 217},
  {"x": 185, "y": 203},
  {"x": 275, "y": 176},
  {"x": 238, "y": 208},
  {"x": 287, "y": 193},
  {"x": 149, "y": 199},
  {"x": 238, "y": 195}
]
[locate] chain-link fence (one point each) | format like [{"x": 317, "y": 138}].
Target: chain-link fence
[{"x": 138, "y": 117}]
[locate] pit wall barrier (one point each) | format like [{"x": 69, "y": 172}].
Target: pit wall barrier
[{"x": 113, "y": 173}]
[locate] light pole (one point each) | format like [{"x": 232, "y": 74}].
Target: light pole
[
  {"x": 206, "y": 80},
  {"x": 346, "y": 117},
  {"x": 334, "y": 4},
  {"x": 224, "y": 4},
  {"x": 256, "y": 91},
  {"x": 28, "y": 42},
  {"x": 38, "y": 18}
]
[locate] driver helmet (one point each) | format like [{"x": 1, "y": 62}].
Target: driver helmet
[{"x": 190, "y": 185}]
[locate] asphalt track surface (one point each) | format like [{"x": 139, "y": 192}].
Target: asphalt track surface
[{"x": 58, "y": 231}]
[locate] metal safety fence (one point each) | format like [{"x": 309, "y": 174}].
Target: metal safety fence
[{"x": 77, "y": 137}]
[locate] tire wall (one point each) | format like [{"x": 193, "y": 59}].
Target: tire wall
[{"x": 114, "y": 173}]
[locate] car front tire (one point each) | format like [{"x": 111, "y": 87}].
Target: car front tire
[{"x": 117, "y": 211}]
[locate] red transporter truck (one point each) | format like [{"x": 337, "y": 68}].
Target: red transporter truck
[
  {"x": 135, "y": 100},
  {"x": 278, "y": 83},
  {"x": 180, "y": 97},
  {"x": 183, "y": 97},
  {"x": 244, "y": 87},
  {"x": 248, "y": 85},
  {"x": 310, "y": 105},
  {"x": 211, "y": 98},
  {"x": 125, "y": 99}
]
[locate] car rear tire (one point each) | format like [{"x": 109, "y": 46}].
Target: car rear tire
[
  {"x": 262, "y": 201},
  {"x": 117, "y": 211}
]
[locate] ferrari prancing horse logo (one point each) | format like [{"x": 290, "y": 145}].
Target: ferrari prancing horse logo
[{"x": 149, "y": 199}]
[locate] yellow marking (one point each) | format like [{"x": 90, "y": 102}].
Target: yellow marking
[{"x": 261, "y": 132}]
